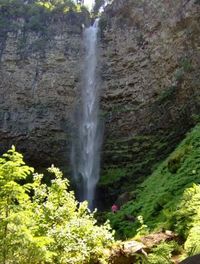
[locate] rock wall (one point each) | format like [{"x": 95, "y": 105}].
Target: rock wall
[
  {"x": 151, "y": 85},
  {"x": 39, "y": 78},
  {"x": 150, "y": 69}
]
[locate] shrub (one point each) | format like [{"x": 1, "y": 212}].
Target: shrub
[
  {"x": 192, "y": 244},
  {"x": 187, "y": 217},
  {"x": 49, "y": 226},
  {"x": 162, "y": 253}
]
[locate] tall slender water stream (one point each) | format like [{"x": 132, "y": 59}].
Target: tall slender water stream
[{"x": 87, "y": 141}]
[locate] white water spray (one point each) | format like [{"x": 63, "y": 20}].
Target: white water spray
[{"x": 87, "y": 142}]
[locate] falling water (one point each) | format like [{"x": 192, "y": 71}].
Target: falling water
[{"x": 87, "y": 142}]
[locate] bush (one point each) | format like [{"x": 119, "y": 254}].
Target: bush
[
  {"x": 187, "y": 217},
  {"x": 192, "y": 244},
  {"x": 162, "y": 253},
  {"x": 48, "y": 226}
]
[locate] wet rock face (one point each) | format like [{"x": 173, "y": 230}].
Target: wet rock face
[
  {"x": 150, "y": 71},
  {"x": 37, "y": 93}
]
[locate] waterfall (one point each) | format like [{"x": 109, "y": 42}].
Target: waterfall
[{"x": 87, "y": 140}]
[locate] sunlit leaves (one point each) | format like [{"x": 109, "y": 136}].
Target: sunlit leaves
[{"x": 49, "y": 226}]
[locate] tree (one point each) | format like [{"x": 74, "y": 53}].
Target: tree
[
  {"x": 45, "y": 224},
  {"x": 18, "y": 240}
]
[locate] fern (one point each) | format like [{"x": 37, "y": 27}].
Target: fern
[
  {"x": 162, "y": 253},
  {"x": 161, "y": 194}
]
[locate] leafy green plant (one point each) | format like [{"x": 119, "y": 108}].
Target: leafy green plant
[
  {"x": 177, "y": 158},
  {"x": 162, "y": 253},
  {"x": 48, "y": 226},
  {"x": 18, "y": 240},
  {"x": 187, "y": 219},
  {"x": 192, "y": 244},
  {"x": 143, "y": 229},
  {"x": 188, "y": 211}
]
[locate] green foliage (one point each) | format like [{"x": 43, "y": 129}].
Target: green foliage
[
  {"x": 188, "y": 211},
  {"x": 192, "y": 245},
  {"x": 36, "y": 14},
  {"x": 48, "y": 226},
  {"x": 143, "y": 229},
  {"x": 19, "y": 16},
  {"x": 177, "y": 158},
  {"x": 160, "y": 194},
  {"x": 112, "y": 175},
  {"x": 134, "y": 158},
  {"x": 195, "y": 118},
  {"x": 162, "y": 253},
  {"x": 187, "y": 219},
  {"x": 18, "y": 244},
  {"x": 62, "y": 6}
]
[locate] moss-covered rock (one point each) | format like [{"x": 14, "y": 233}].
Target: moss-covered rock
[{"x": 127, "y": 162}]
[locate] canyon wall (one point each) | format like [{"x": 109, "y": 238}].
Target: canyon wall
[
  {"x": 39, "y": 79},
  {"x": 150, "y": 97},
  {"x": 151, "y": 85}
]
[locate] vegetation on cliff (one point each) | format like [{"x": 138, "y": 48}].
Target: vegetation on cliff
[
  {"x": 168, "y": 199},
  {"x": 21, "y": 17},
  {"x": 151, "y": 98},
  {"x": 35, "y": 15}
]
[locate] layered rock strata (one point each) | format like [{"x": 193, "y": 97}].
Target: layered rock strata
[
  {"x": 39, "y": 77},
  {"x": 151, "y": 84}
]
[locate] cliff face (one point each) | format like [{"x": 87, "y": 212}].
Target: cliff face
[
  {"x": 151, "y": 86},
  {"x": 39, "y": 76}
]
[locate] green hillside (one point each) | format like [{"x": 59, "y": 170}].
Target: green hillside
[{"x": 165, "y": 199}]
